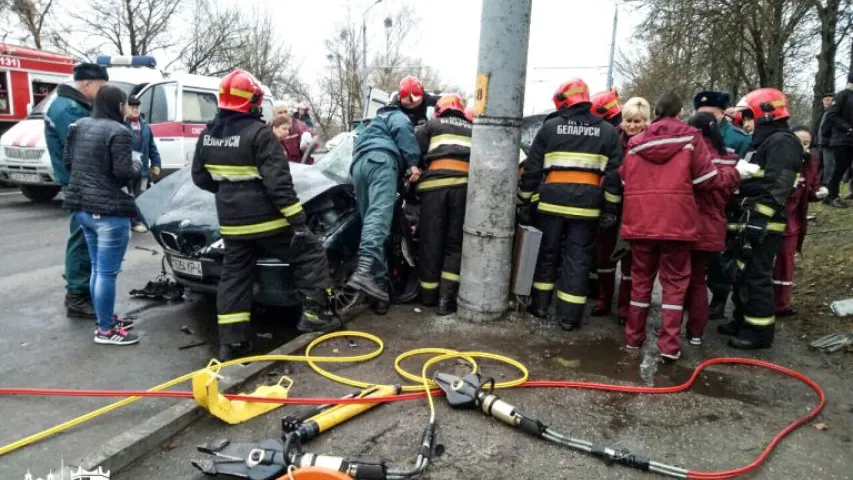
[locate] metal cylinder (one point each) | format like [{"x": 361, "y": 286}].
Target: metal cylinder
[{"x": 492, "y": 182}]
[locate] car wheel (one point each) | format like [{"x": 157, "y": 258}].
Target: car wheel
[
  {"x": 39, "y": 194},
  {"x": 347, "y": 300}
]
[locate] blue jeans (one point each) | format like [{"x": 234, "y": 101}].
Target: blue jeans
[{"x": 107, "y": 237}]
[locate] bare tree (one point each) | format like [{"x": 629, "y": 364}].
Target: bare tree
[
  {"x": 131, "y": 27},
  {"x": 32, "y": 15},
  {"x": 212, "y": 40}
]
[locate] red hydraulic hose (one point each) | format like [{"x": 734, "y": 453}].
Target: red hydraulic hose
[{"x": 530, "y": 384}]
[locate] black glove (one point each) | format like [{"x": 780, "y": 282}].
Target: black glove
[
  {"x": 608, "y": 221},
  {"x": 300, "y": 233},
  {"x": 524, "y": 213}
]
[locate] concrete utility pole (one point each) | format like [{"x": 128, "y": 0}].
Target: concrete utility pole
[
  {"x": 612, "y": 48},
  {"x": 492, "y": 182}
]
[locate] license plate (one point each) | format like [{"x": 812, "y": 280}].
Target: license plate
[
  {"x": 25, "y": 177},
  {"x": 186, "y": 266}
]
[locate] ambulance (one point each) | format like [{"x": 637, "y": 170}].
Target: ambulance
[{"x": 177, "y": 105}]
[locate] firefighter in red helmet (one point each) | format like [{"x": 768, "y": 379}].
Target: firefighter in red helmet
[
  {"x": 238, "y": 159},
  {"x": 757, "y": 224},
  {"x": 413, "y": 100},
  {"x": 445, "y": 143},
  {"x": 606, "y": 105},
  {"x": 572, "y": 166}
]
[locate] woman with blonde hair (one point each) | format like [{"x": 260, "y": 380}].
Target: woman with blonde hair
[{"x": 636, "y": 114}]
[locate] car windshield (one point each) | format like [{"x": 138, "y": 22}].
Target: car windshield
[
  {"x": 336, "y": 163},
  {"x": 41, "y": 108}
]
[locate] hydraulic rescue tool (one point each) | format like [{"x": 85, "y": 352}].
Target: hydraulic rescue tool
[
  {"x": 270, "y": 459},
  {"x": 476, "y": 391}
]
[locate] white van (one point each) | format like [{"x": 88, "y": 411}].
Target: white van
[{"x": 177, "y": 105}]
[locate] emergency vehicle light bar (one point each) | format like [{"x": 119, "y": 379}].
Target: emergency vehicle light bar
[{"x": 126, "y": 61}]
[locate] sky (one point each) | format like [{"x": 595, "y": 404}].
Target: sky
[{"x": 564, "y": 34}]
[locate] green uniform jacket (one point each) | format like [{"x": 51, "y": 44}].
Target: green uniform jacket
[{"x": 737, "y": 140}]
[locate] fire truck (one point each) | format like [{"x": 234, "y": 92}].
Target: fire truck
[{"x": 27, "y": 77}]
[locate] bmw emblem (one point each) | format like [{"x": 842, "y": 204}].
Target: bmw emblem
[{"x": 185, "y": 223}]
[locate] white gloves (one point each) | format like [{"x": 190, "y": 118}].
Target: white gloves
[
  {"x": 746, "y": 169},
  {"x": 305, "y": 141},
  {"x": 822, "y": 193}
]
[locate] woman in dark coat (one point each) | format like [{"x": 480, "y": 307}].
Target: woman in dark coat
[{"x": 98, "y": 155}]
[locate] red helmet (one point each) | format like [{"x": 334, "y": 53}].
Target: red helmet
[
  {"x": 766, "y": 105},
  {"x": 411, "y": 91},
  {"x": 241, "y": 92},
  {"x": 606, "y": 104},
  {"x": 469, "y": 112},
  {"x": 448, "y": 102},
  {"x": 571, "y": 93},
  {"x": 735, "y": 115}
]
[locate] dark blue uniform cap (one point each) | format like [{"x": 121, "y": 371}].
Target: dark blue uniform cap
[
  {"x": 90, "y": 71},
  {"x": 711, "y": 99}
]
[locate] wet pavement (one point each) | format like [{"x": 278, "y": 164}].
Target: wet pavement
[
  {"x": 40, "y": 347},
  {"x": 723, "y": 422}
]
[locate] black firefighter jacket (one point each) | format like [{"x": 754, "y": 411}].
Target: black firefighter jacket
[
  {"x": 572, "y": 169},
  {"x": 445, "y": 144},
  {"x": 238, "y": 159}
]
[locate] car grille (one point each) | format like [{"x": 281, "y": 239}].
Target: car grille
[
  {"x": 23, "y": 154},
  {"x": 187, "y": 243}
]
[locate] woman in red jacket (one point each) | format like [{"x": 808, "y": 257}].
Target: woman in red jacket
[
  {"x": 294, "y": 136},
  {"x": 712, "y": 223},
  {"x": 636, "y": 115},
  {"x": 807, "y": 189},
  {"x": 663, "y": 167}
]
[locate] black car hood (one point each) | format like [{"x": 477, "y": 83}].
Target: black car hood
[{"x": 177, "y": 199}]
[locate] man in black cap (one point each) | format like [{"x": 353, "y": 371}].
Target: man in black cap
[
  {"x": 737, "y": 141},
  {"x": 73, "y": 102},
  {"x": 821, "y": 139},
  {"x": 145, "y": 149},
  {"x": 716, "y": 103}
]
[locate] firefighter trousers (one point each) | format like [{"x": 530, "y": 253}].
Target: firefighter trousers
[
  {"x": 568, "y": 244},
  {"x": 672, "y": 260},
  {"x": 754, "y": 317},
  {"x": 442, "y": 217},
  {"x": 720, "y": 274},
  {"x": 307, "y": 260},
  {"x": 696, "y": 301},
  {"x": 783, "y": 272},
  {"x": 606, "y": 270}
]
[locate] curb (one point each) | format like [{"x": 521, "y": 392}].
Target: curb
[{"x": 119, "y": 452}]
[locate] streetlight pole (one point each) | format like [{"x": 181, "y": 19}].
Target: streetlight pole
[
  {"x": 364, "y": 87},
  {"x": 612, "y": 48}
]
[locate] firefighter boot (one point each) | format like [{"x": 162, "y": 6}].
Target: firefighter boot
[
  {"x": 318, "y": 316},
  {"x": 446, "y": 305},
  {"x": 717, "y": 308},
  {"x": 380, "y": 307},
  {"x": 539, "y": 303},
  {"x": 233, "y": 351},
  {"x": 364, "y": 281}
]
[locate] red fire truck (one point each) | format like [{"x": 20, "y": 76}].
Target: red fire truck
[{"x": 26, "y": 77}]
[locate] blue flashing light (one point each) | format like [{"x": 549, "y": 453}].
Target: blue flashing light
[{"x": 126, "y": 61}]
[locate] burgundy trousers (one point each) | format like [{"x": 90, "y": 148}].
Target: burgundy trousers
[{"x": 783, "y": 272}]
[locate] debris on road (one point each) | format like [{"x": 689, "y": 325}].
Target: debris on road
[
  {"x": 193, "y": 345},
  {"x": 146, "y": 249},
  {"x": 832, "y": 343},
  {"x": 842, "y": 308},
  {"x": 186, "y": 330}
]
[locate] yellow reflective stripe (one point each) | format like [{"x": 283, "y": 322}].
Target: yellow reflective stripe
[
  {"x": 590, "y": 161},
  {"x": 776, "y": 227},
  {"x": 237, "y": 92},
  {"x": 740, "y": 265},
  {"x": 292, "y": 210},
  {"x": 232, "y": 169},
  {"x": 442, "y": 182},
  {"x": 612, "y": 104},
  {"x": 573, "y": 211},
  {"x": 228, "y": 319},
  {"x": 593, "y": 275},
  {"x": 429, "y": 285},
  {"x": 765, "y": 210},
  {"x": 524, "y": 195},
  {"x": 574, "y": 91},
  {"x": 449, "y": 139},
  {"x": 760, "y": 321},
  {"x": 734, "y": 227},
  {"x": 253, "y": 229},
  {"x": 534, "y": 198},
  {"x": 543, "y": 286},
  {"x": 612, "y": 198},
  {"x": 758, "y": 174},
  {"x": 450, "y": 276},
  {"x": 569, "y": 298}
]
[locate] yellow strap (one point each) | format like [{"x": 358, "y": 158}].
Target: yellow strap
[
  {"x": 760, "y": 321},
  {"x": 450, "y": 276},
  {"x": 543, "y": 286},
  {"x": 534, "y": 198},
  {"x": 776, "y": 227},
  {"x": 524, "y": 195},
  {"x": 571, "y": 211},
  {"x": 442, "y": 182},
  {"x": 569, "y": 298},
  {"x": 292, "y": 210},
  {"x": 612, "y": 198},
  {"x": 232, "y": 169},
  {"x": 253, "y": 229},
  {"x": 230, "y": 318},
  {"x": 429, "y": 285},
  {"x": 765, "y": 210},
  {"x": 449, "y": 139},
  {"x": 241, "y": 93}
]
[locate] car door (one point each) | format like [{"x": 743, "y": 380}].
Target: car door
[
  {"x": 159, "y": 106},
  {"x": 198, "y": 107}
]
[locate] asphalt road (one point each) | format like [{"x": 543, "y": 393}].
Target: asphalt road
[{"x": 40, "y": 347}]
